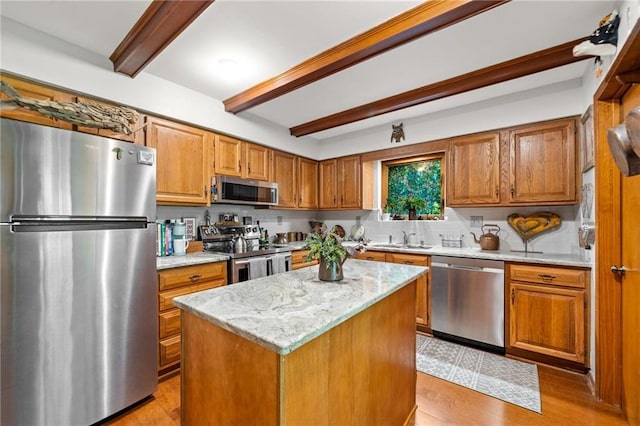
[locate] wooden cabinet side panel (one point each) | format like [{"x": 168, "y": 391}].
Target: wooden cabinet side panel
[
  {"x": 473, "y": 174},
  {"x": 346, "y": 375},
  {"x": 328, "y": 186},
  {"x": 34, "y": 91},
  {"x": 226, "y": 379},
  {"x": 423, "y": 291},
  {"x": 548, "y": 320}
]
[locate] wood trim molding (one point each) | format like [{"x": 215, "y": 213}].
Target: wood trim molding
[
  {"x": 158, "y": 26},
  {"x": 624, "y": 65},
  {"x": 524, "y": 65},
  {"x": 423, "y": 19}
]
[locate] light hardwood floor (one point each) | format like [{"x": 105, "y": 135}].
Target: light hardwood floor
[{"x": 566, "y": 400}]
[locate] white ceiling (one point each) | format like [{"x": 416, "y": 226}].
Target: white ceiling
[{"x": 268, "y": 37}]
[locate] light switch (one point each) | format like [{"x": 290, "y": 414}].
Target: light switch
[{"x": 476, "y": 221}]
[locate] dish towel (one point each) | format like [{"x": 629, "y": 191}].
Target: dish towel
[
  {"x": 278, "y": 264},
  {"x": 257, "y": 268}
]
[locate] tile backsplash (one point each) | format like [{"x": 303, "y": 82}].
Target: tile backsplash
[{"x": 457, "y": 221}]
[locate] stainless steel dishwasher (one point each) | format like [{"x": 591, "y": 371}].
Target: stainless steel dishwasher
[{"x": 467, "y": 299}]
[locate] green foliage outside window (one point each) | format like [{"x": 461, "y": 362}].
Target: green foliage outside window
[{"x": 417, "y": 185}]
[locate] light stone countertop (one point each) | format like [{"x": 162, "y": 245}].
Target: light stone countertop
[
  {"x": 189, "y": 259},
  {"x": 282, "y": 312},
  {"x": 558, "y": 259}
]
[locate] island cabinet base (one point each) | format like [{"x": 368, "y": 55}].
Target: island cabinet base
[{"x": 360, "y": 372}]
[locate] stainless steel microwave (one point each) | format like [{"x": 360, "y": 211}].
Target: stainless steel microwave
[{"x": 235, "y": 190}]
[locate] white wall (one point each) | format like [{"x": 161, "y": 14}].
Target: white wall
[
  {"x": 553, "y": 101},
  {"x": 33, "y": 54}
]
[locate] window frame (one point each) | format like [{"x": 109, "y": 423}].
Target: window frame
[{"x": 384, "y": 193}]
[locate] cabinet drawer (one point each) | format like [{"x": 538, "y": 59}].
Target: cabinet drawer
[
  {"x": 548, "y": 275},
  {"x": 165, "y": 298},
  {"x": 295, "y": 266},
  {"x": 297, "y": 256},
  {"x": 408, "y": 259},
  {"x": 188, "y": 275},
  {"x": 169, "y": 351},
  {"x": 169, "y": 323},
  {"x": 376, "y": 256}
]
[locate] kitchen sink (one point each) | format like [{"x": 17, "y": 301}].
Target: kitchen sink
[{"x": 399, "y": 246}]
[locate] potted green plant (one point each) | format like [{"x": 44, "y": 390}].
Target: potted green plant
[
  {"x": 328, "y": 249},
  {"x": 412, "y": 204}
]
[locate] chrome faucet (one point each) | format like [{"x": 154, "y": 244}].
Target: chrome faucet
[{"x": 405, "y": 238}]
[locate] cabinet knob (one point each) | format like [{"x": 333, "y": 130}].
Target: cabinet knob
[
  {"x": 334, "y": 199},
  {"x": 195, "y": 277},
  {"x": 239, "y": 166},
  {"x": 513, "y": 296},
  {"x": 249, "y": 168},
  {"x": 497, "y": 190},
  {"x": 513, "y": 191}
]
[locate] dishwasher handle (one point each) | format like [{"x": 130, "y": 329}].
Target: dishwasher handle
[{"x": 466, "y": 268}]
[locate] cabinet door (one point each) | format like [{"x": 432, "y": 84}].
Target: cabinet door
[
  {"x": 136, "y": 137},
  {"x": 228, "y": 155},
  {"x": 307, "y": 183},
  {"x": 284, "y": 174},
  {"x": 473, "y": 176},
  {"x": 376, "y": 256},
  {"x": 423, "y": 291},
  {"x": 34, "y": 91},
  {"x": 182, "y": 161},
  {"x": 543, "y": 164},
  {"x": 547, "y": 320},
  {"x": 328, "y": 184},
  {"x": 256, "y": 162},
  {"x": 349, "y": 182}
]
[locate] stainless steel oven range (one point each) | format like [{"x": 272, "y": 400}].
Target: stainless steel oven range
[{"x": 241, "y": 242}]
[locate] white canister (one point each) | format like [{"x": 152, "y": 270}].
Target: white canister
[
  {"x": 180, "y": 246},
  {"x": 178, "y": 229}
]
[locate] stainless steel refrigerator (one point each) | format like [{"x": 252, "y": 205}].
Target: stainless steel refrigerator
[{"x": 78, "y": 276}]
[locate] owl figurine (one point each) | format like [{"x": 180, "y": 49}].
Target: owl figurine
[{"x": 397, "y": 133}]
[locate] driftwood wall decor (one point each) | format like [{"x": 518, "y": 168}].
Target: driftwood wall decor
[{"x": 88, "y": 114}]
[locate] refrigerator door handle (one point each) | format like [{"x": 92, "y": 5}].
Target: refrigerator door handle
[{"x": 75, "y": 226}]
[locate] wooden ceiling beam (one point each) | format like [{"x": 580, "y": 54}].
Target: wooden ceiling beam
[
  {"x": 423, "y": 19},
  {"x": 524, "y": 65},
  {"x": 160, "y": 24}
]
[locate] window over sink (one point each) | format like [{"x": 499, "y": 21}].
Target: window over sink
[{"x": 413, "y": 187}]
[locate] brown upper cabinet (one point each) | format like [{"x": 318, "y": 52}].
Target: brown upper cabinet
[
  {"x": 183, "y": 157},
  {"x": 136, "y": 137},
  {"x": 543, "y": 163},
  {"x": 297, "y": 180},
  {"x": 526, "y": 165},
  {"x": 473, "y": 177},
  {"x": 34, "y": 91},
  {"x": 234, "y": 157},
  {"x": 341, "y": 183}
]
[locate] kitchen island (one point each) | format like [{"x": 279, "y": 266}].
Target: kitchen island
[{"x": 292, "y": 350}]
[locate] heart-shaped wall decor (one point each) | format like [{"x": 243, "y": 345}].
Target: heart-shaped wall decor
[{"x": 534, "y": 224}]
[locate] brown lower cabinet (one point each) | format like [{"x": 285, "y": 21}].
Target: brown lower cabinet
[
  {"x": 547, "y": 312},
  {"x": 423, "y": 289},
  {"x": 177, "y": 282},
  {"x": 297, "y": 259}
]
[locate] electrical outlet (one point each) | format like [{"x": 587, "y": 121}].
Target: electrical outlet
[
  {"x": 476, "y": 221},
  {"x": 279, "y": 220}
]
